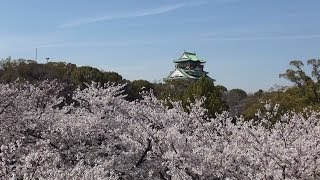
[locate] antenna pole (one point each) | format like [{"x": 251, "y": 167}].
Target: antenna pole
[{"x": 36, "y": 54}]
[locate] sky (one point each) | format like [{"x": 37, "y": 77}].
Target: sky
[{"x": 246, "y": 43}]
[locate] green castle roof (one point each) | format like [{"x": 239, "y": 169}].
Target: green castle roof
[{"x": 187, "y": 56}]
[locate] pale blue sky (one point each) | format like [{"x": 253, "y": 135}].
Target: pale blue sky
[{"x": 246, "y": 43}]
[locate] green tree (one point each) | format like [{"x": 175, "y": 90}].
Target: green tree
[
  {"x": 205, "y": 87},
  {"x": 86, "y": 74},
  {"x": 134, "y": 88},
  {"x": 235, "y": 99},
  {"x": 310, "y": 85},
  {"x": 173, "y": 90},
  {"x": 221, "y": 89},
  {"x": 297, "y": 76},
  {"x": 315, "y": 73},
  {"x": 9, "y": 68},
  {"x": 315, "y": 63}
]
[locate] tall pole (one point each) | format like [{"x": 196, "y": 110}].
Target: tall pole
[{"x": 36, "y": 54}]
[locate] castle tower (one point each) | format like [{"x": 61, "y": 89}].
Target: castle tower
[{"x": 188, "y": 66}]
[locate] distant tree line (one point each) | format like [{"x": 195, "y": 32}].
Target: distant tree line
[
  {"x": 301, "y": 97},
  {"x": 29, "y": 70},
  {"x": 304, "y": 94},
  {"x": 22, "y": 70}
]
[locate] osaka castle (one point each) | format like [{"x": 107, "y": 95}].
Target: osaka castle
[{"x": 189, "y": 66}]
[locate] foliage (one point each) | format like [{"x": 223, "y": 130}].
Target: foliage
[
  {"x": 22, "y": 70},
  {"x": 31, "y": 71},
  {"x": 107, "y": 137},
  {"x": 174, "y": 89},
  {"x": 136, "y": 87},
  {"x": 310, "y": 85},
  {"x": 235, "y": 99},
  {"x": 187, "y": 91},
  {"x": 86, "y": 74},
  {"x": 291, "y": 99},
  {"x": 305, "y": 93},
  {"x": 205, "y": 88}
]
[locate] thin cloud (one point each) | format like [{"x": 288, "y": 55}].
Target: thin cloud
[
  {"x": 254, "y": 38},
  {"x": 142, "y": 13},
  {"x": 299, "y": 14},
  {"x": 14, "y": 42},
  {"x": 227, "y": 1},
  {"x": 93, "y": 44}
]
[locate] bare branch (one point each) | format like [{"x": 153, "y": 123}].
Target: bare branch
[{"x": 144, "y": 154}]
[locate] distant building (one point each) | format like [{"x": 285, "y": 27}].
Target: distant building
[{"x": 189, "y": 66}]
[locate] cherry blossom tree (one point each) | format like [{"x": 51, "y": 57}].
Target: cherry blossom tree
[{"x": 103, "y": 136}]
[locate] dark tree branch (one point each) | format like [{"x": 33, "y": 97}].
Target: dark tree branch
[
  {"x": 31, "y": 133},
  {"x": 162, "y": 177},
  {"x": 144, "y": 154},
  {"x": 193, "y": 175},
  {"x": 163, "y": 174},
  {"x": 5, "y": 107}
]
